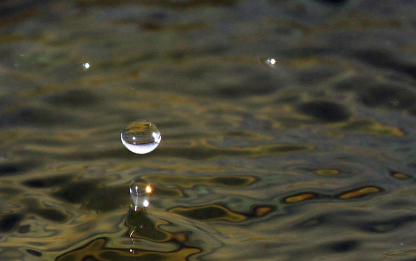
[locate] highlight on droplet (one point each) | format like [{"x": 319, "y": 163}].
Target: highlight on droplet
[{"x": 148, "y": 189}]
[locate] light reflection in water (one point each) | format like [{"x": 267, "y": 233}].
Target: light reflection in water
[
  {"x": 86, "y": 66},
  {"x": 271, "y": 61}
]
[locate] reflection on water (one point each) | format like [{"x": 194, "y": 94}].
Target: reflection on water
[
  {"x": 288, "y": 130},
  {"x": 151, "y": 238}
]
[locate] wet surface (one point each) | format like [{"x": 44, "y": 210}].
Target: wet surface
[{"x": 288, "y": 129}]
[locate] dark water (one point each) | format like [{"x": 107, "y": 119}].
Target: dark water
[{"x": 288, "y": 129}]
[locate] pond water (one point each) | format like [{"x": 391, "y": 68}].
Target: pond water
[{"x": 288, "y": 129}]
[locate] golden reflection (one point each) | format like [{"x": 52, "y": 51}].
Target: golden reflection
[
  {"x": 262, "y": 211},
  {"x": 399, "y": 175},
  {"x": 300, "y": 197},
  {"x": 359, "y": 192},
  {"x": 91, "y": 249},
  {"x": 327, "y": 172}
]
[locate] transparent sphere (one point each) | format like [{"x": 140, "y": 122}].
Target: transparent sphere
[
  {"x": 139, "y": 193},
  {"x": 141, "y": 137}
]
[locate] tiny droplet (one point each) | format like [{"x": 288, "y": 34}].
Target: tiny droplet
[
  {"x": 271, "y": 61},
  {"x": 139, "y": 193},
  {"x": 141, "y": 137},
  {"x": 86, "y": 66}
]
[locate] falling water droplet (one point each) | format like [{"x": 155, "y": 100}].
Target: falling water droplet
[
  {"x": 139, "y": 194},
  {"x": 141, "y": 137}
]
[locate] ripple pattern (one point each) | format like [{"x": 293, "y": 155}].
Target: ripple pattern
[{"x": 289, "y": 129}]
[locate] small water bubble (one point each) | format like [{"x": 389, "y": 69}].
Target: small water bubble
[
  {"x": 141, "y": 137},
  {"x": 139, "y": 193},
  {"x": 86, "y": 66},
  {"x": 271, "y": 61}
]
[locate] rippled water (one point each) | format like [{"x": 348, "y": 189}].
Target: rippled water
[{"x": 288, "y": 129}]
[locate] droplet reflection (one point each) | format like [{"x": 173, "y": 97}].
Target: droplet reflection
[
  {"x": 139, "y": 194},
  {"x": 141, "y": 137}
]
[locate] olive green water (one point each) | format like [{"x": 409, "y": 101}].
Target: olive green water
[{"x": 288, "y": 129}]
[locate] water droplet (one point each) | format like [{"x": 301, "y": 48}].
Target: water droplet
[
  {"x": 139, "y": 193},
  {"x": 86, "y": 66},
  {"x": 141, "y": 137},
  {"x": 271, "y": 61}
]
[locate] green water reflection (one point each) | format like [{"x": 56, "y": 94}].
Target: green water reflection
[{"x": 288, "y": 129}]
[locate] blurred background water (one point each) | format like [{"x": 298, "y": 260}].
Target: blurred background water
[{"x": 288, "y": 129}]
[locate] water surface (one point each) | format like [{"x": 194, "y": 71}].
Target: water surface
[{"x": 288, "y": 129}]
